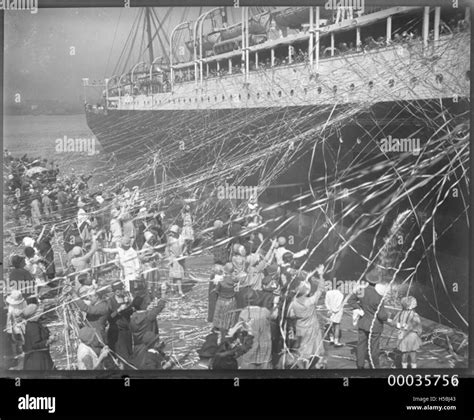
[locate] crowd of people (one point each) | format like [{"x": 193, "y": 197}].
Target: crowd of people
[{"x": 121, "y": 262}]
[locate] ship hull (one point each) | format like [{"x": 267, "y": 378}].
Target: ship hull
[{"x": 130, "y": 135}]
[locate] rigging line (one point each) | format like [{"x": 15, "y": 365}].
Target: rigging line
[
  {"x": 125, "y": 64},
  {"x": 133, "y": 28},
  {"x": 113, "y": 43},
  {"x": 159, "y": 28}
]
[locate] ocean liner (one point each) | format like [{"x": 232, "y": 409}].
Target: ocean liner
[{"x": 322, "y": 100}]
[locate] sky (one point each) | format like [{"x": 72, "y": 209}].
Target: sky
[{"x": 37, "y": 55}]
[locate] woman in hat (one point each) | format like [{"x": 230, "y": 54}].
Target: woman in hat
[
  {"x": 37, "y": 341},
  {"x": 187, "y": 232},
  {"x": 225, "y": 313},
  {"x": 409, "y": 327},
  {"x": 258, "y": 318},
  {"x": 174, "y": 251},
  {"x": 308, "y": 334},
  {"x": 15, "y": 326},
  {"x": 87, "y": 357}
]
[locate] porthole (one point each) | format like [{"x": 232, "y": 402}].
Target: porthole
[{"x": 320, "y": 89}]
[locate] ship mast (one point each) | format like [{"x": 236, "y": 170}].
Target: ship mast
[{"x": 148, "y": 30}]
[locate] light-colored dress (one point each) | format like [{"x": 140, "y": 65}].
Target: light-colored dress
[
  {"x": 82, "y": 352},
  {"x": 334, "y": 302},
  {"x": 187, "y": 232},
  {"x": 410, "y": 331},
  {"x": 174, "y": 250},
  {"x": 308, "y": 329}
]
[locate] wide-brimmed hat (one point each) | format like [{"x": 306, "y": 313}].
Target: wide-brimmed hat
[
  {"x": 281, "y": 241},
  {"x": 174, "y": 229},
  {"x": 27, "y": 241},
  {"x": 30, "y": 311},
  {"x": 374, "y": 276},
  {"x": 409, "y": 302},
  {"x": 87, "y": 335},
  {"x": 15, "y": 298}
]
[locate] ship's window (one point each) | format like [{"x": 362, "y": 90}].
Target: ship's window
[
  {"x": 371, "y": 84},
  {"x": 391, "y": 83},
  {"x": 279, "y": 94},
  {"x": 468, "y": 75},
  {"x": 352, "y": 86},
  {"x": 439, "y": 78},
  {"x": 319, "y": 89},
  {"x": 258, "y": 95},
  {"x": 292, "y": 92},
  {"x": 334, "y": 89}
]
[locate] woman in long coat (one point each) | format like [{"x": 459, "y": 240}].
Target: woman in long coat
[
  {"x": 37, "y": 341},
  {"x": 308, "y": 330}
]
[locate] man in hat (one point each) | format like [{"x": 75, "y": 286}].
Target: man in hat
[
  {"x": 96, "y": 310},
  {"x": 128, "y": 260},
  {"x": 370, "y": 324},
  {"x": 119, "y": 335},
  {"x": 144, "y": 319}
]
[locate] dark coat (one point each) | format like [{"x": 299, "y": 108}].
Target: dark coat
[
  {"x": 96, "y": 315},
  {"x": 119, "y": 336},
  {"x": 143, "y": 321},
  {"x": 37, "y": 356},
  {"x": 369, "y": 303}
]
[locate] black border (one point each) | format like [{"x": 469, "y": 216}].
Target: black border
[{"x": 244, "y": 375}]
